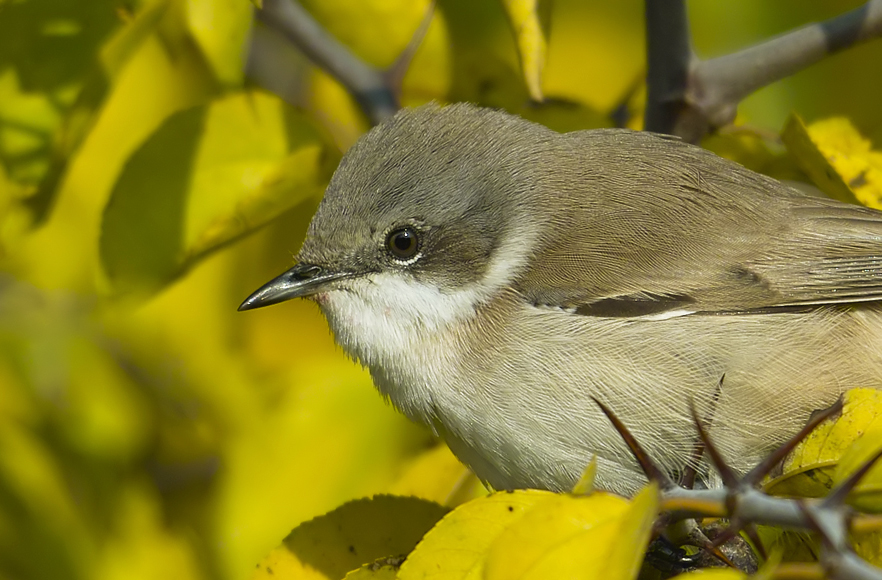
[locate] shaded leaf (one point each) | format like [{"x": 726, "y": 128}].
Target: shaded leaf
[
  {"x": 47, "y": 49},
  {"x": 712, "y": 574},
  {"x": 142, "y": 68},
  {"x": 756, "y": 150},
  {"x": 564, "y": 116},
  {"x": 868, "y": 546},
  {"x": 360, "y": 531},
  {"x": 227, "y": 168}
]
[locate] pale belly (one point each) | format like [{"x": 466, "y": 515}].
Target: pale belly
[{"x": 513, "y": 395}]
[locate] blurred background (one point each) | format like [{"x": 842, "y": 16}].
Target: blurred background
[{"x": 160, "y": 160}]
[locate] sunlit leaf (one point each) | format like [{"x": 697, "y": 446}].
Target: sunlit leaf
[
  {"x": 437, "y": 475},
  {"x": 382, "y": 569},
  {"x": 529, "y": 22},
  {"x": 220, "y": 28},
  {"x": 355, "y": 533},
  {"x": 838, "y": 159},
  {"x": 458, "y": 545},
  {"x": 867, "y": 496},
  {"x": 585, "y": 485},
  {"x": 227, "y": 168},
  {"x": 597, "y": 536},
  {"x": 809, "y": 469}
]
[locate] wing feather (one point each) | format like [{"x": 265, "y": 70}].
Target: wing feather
[{"x": 676, "y": 228}]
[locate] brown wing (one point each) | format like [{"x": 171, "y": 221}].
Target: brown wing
[{"x": 654, "y": 226}]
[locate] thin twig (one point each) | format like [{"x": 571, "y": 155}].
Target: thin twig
[{"x": 367, "y": 84}]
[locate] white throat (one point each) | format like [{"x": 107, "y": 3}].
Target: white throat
[{"x": 409, "y": 333}]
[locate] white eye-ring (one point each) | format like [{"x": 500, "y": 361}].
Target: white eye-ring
[{"x": 403, "y": 244}]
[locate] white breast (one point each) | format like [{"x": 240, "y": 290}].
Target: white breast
[{"x": 410, "y": 333}]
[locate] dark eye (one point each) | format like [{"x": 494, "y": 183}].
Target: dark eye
[{"x": 403, "y": 243}]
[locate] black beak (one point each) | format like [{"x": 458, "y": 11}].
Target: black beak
[{"x": 301, "y": 280}]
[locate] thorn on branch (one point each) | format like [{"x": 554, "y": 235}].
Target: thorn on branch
[{"x": 650, "y": 469}]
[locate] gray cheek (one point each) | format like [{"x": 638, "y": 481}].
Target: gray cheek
[{"x": 454, "y": 260}]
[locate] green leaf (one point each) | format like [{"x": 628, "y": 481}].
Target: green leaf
[
  {"x": 46, "y": 51},
  {"x": 208, "y": 175}
]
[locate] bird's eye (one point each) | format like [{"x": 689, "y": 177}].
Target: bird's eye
[{"x": 403, "y": 243}]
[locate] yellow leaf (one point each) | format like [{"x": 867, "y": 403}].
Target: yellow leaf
[
  {"x": 220, "y": 28},
  {"x": 531, "y": 38},
  {"x": 585, "y": 485},
  {"x": 631, "y": 538},
  {"x": 115, "y": 54},
  {"x": 143, "y": 546},
  {"x": 596, "y": 536},
  {"x": 809, "y": 469},
  {"x": 360, "y": 531},
  {"x": 393, "y": 21},
  {"x": 712, "y": 574},
  {"x": 564, "y": 116},
  {"x": 228, "y": 167},
  {"x": 867, "y": 496},
  {"x": 755, "y": 150},
  {"x": 868, "y": 546},
  {"x": 837, "y": 159},
  {"x": 458, "y": 544},
  {"x": 437, "y": 475},
  {"x": 157, "y": 78},
  {"x": 813, "y": 162},
  {"x": 793, "y": 546},
  {"x": 382, "y": 569}
]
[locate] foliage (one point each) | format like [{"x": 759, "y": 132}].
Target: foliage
[{"x": 160, "y": 159}]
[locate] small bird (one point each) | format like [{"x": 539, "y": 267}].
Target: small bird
[{"x": 496, "y": 277}]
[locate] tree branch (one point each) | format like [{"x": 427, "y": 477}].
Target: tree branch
[
  {"x": 669, "y": 56},
  {"x": 368, "y": 85},
  {"x": 709, "y": 98}
]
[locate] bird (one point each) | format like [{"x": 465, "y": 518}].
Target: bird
[{"x": 497, "y": 277}]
